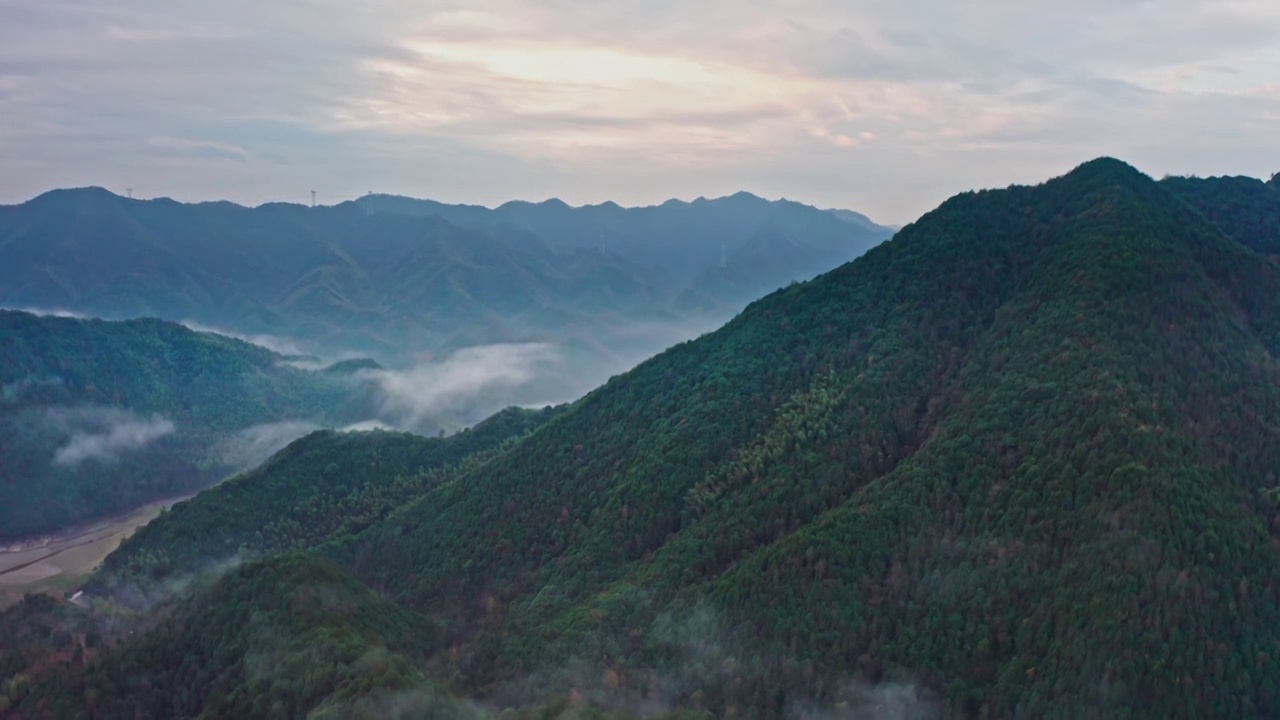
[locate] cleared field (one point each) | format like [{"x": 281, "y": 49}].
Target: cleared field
[{"x": 54, "y": 564}]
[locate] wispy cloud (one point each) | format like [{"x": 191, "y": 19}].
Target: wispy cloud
[
  {"x": 48, "y": 312},
  {"x": 248, "y": 448},
  {"x": 367, "y": 426},
  {"x": 885, "y": 107},
  {"x": 470, "y": 384},
  {"x": 183, "y": 147},
  {"x": 104, "y": 434},
  {"x": 275, "y": 343}
]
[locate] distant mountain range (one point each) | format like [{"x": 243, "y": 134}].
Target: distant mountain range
[{"x": 391, "y": 276}]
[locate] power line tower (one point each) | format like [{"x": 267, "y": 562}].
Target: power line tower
[
  {"x": 313, "y": 198},
  {"x": 130, "y": 191}
]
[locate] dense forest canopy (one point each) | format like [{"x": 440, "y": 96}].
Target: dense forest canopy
[
  {"x": 1019, "y": 461},
  {"x": 1245, "y": 208}
]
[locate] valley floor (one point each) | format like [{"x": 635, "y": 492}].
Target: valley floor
[{"x": 53, "y": 563}]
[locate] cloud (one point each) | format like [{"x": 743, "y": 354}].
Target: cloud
[
  {"x": 183, "y": 147},
  {"x": 704, "y": 657},
  {"x": 48, "y": 312},
  {"x": 17, "y": 390},
  {"x": 861, "y": 701},
  {"x": 470, "y": 384},
  {"x": 367, "y": 426},
  {"x": 250, "y": 447},
  {"x": 883, "y": 107},
  {"x": 274, "y": 343},
  {"x": 311, "y": 364},
  {"x": 103, "y": 434}
]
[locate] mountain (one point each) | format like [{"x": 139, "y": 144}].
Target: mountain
[
  {"x": 392, "y": 276},
  {"x": 1245, "y": 208},
  {"x": 98, "y": 417},
  {"x": 677, "y": 240},
  {"x": 857, "y": 219},
  {"x": 1019, "y": 461},
  {"x": 1028, "y": 407}
]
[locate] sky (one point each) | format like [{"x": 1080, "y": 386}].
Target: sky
[{"x": 883, "y": 107}]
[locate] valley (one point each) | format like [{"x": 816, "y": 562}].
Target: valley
[
  {"x": 99, "y": 417},
  {"x": 56, "y": 562}
]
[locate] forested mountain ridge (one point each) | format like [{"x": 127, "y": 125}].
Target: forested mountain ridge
[
  {"x": 1021, "y": 458},
  {"x": 389, "y": 279},
  {"x": 853, "y": 217},
  {"x": 925, "y": 461},
  {"x": 1245, "y": 208},
  {"x": 321, "y": 488},
  {"x": 98, "y": 417}
]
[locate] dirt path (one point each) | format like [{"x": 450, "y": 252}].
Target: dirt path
[{"x": 54, "y": 563}]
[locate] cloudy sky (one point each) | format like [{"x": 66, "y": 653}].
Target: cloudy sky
[{"x": 884, "y": 107}]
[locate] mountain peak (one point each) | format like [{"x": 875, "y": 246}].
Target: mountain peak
[
  {"x": 742, "y": 196},
  {"x": 91, "y": 193},
  {"x": 854, "y": 218},
  {"x": 550, "y": 203},
  {"x": 1107, "y": 169}
]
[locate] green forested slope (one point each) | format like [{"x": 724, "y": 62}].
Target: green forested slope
[
  {"x": 1021, "y": 452},
  {"x": 1020, "y": 459},
  {"x": 321, "y": 488},
  {"x": 42, "y": 637},
  {"x": 97, "y": 417},
  {"x": 275, "y": 639}
]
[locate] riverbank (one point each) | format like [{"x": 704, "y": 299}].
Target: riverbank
[{"x": 55, "y": 563}]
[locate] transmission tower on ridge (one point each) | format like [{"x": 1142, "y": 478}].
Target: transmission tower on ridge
[{"x": 313, "y": 198}]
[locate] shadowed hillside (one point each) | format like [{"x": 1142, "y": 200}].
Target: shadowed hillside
[{"x": 98, "y": 417}]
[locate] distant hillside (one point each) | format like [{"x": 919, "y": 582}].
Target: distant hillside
[
  {"x": 98, "y": 417},
  {"x": 679, "y": 240},
  {"x": 394, "y": 276},
  {"x": 858, "y": 219},
  {"x": 1018, "y": 461}
]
